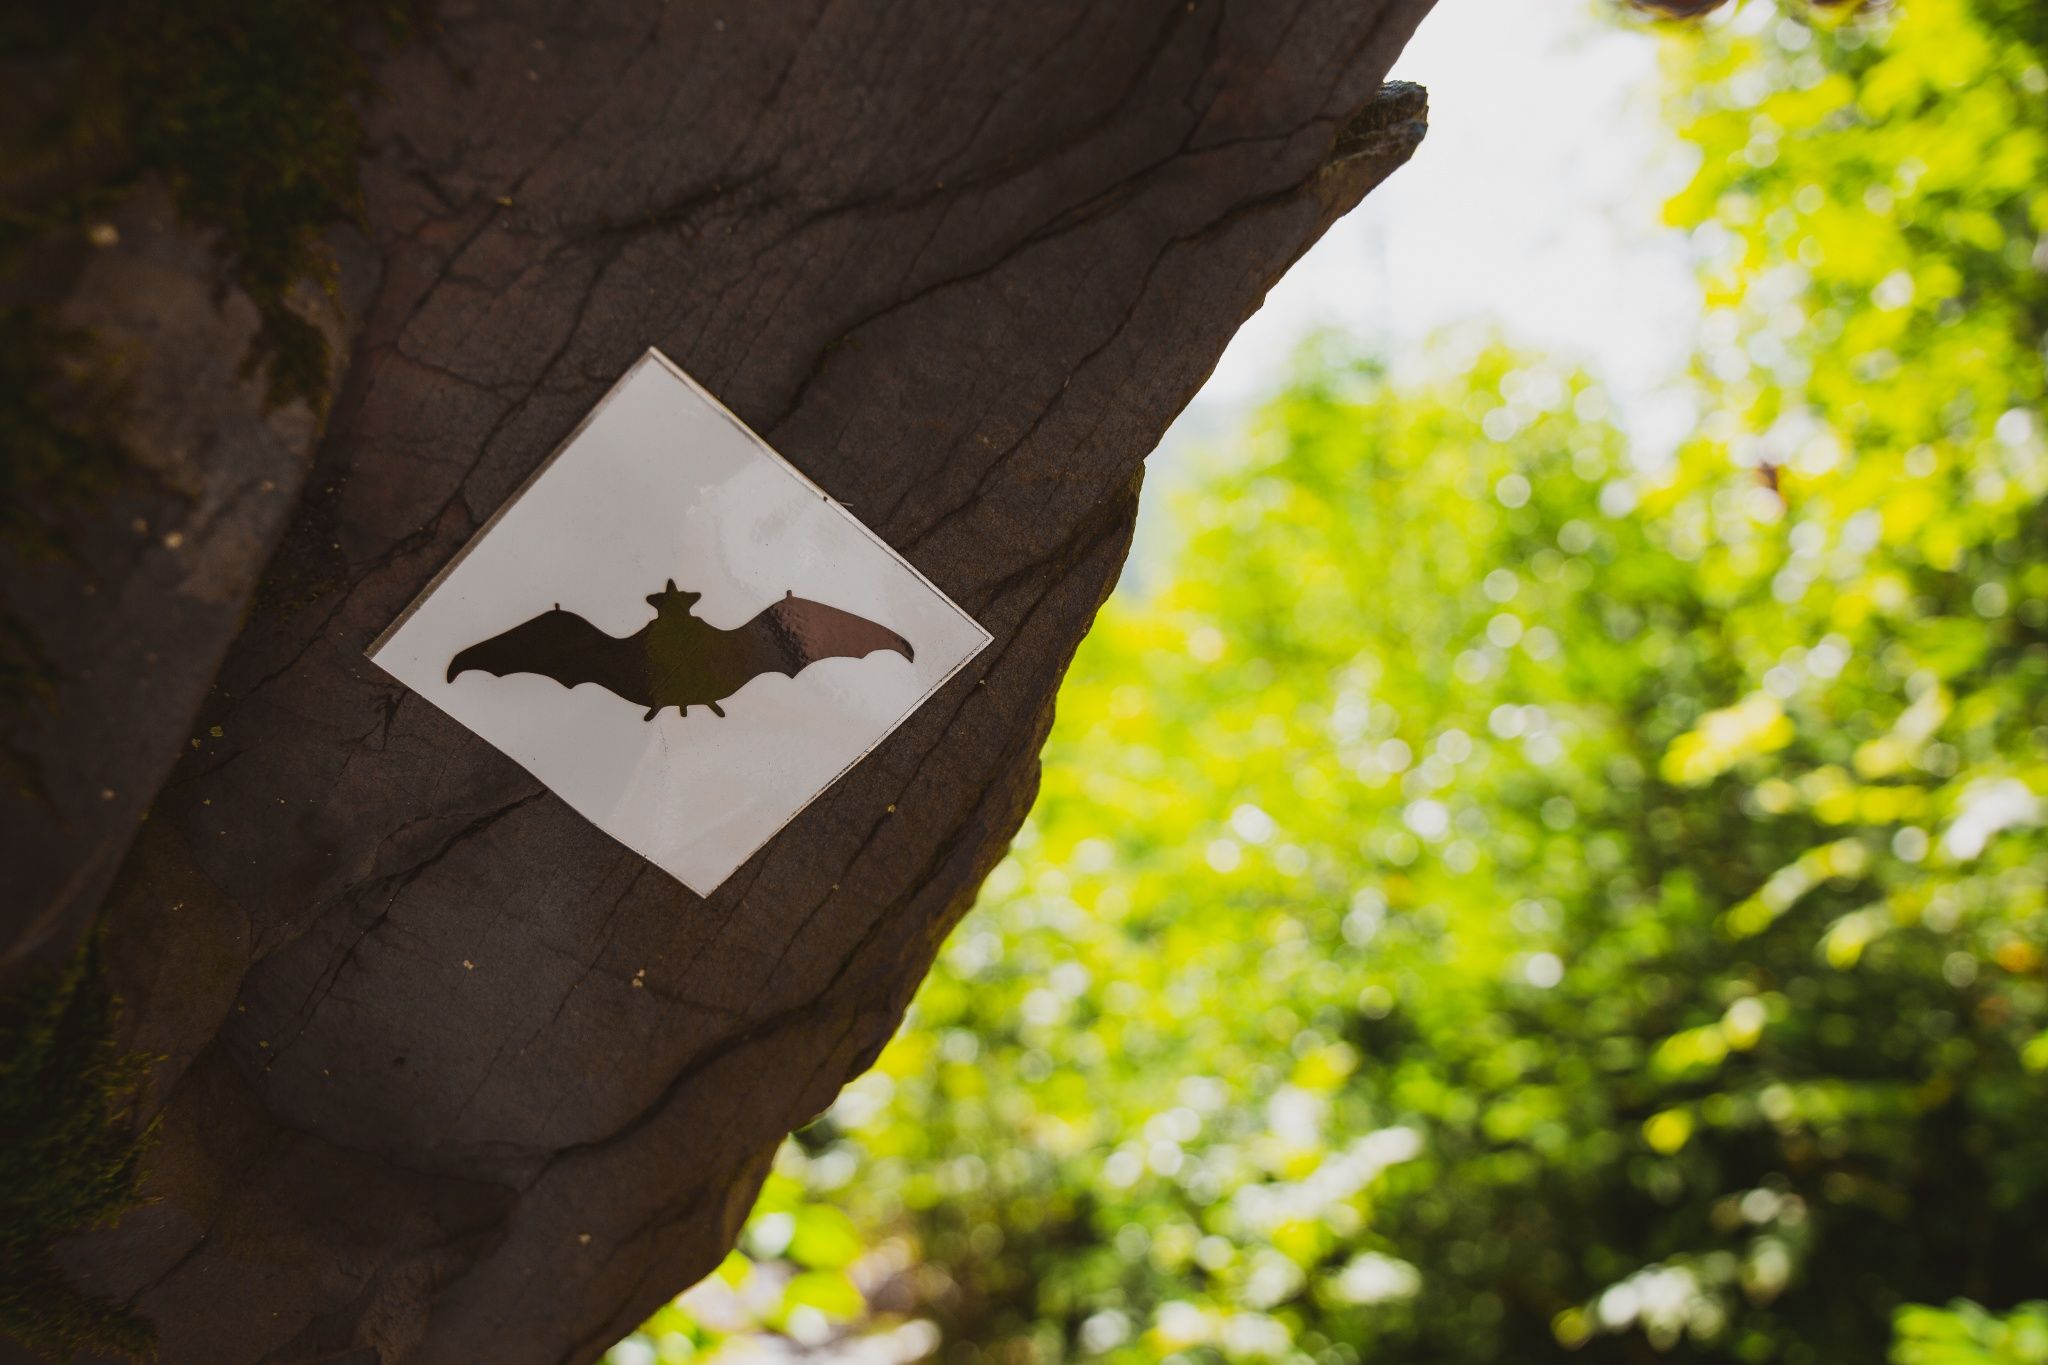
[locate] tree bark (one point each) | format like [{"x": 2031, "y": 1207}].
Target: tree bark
[{"x": 447, "y": 1074}]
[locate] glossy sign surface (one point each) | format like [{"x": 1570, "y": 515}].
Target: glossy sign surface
[{"x": 677, "y": 632}]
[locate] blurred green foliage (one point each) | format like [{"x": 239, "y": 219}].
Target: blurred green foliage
[
  {"x": 1964, "y": 1334},
  {"x": 1508, "y": 899}
]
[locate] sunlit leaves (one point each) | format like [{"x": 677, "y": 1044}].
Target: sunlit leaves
[{"x": 1964, "y": 1334}]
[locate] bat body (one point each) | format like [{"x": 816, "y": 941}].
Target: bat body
[{"x": 676, "y": 659}]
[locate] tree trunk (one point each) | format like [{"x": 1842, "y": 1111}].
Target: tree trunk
[{"x": 447, "y": 1075}]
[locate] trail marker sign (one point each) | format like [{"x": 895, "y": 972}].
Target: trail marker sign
[{"x": 675, "y": 630}]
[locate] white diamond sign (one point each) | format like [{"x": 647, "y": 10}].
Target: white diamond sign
[{"x": 677, "y": 632}]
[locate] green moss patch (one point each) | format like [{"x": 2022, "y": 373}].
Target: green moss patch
[
  {"x": 246, "y": 109},
  {"x": 72, "y": 1158},
  {"x": 248, "y": 112}
]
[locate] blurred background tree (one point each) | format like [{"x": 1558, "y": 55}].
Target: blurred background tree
[{"x": 1506, "y": 898}]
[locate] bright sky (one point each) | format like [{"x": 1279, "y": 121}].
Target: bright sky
[{"x": 1532, "y": 208}]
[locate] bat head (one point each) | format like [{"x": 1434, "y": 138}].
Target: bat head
[{"x": 672, "y": 599}]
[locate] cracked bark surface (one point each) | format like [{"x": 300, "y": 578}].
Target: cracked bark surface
[{"x": 447, "y": 1075}]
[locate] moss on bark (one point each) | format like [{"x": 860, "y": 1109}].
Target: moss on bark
[
  {"x": 246, "y": 109},
  {"x": 72, "y": 1159},
  {"x": 248, "y": 112}
]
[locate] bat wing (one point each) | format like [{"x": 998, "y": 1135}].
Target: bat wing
[
  {"x": 797, "y": 632},
  {"x": 560, "y": 645}
]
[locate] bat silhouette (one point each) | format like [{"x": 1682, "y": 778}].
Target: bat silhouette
[{"x": 676, "y": 659}]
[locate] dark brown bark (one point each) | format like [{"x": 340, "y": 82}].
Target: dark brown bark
[{"x": 450, "y": 1076}]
